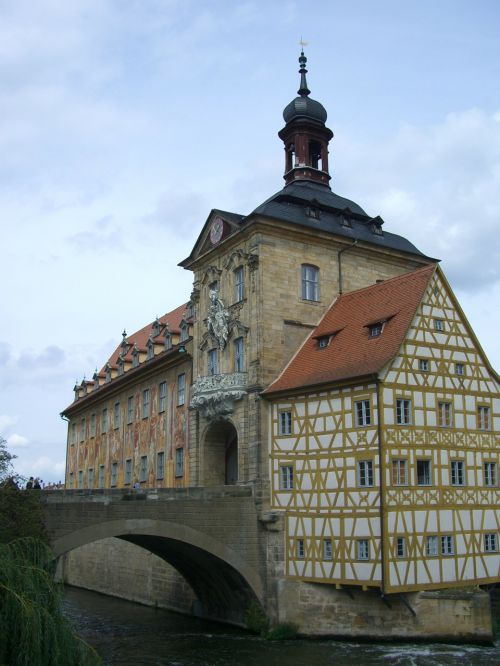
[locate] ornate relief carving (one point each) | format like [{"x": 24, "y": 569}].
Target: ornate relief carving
[
  {"x": 211, "y": 274},
  {"x": 214, "y": 395},
  {"x": 253, "y": 262}
]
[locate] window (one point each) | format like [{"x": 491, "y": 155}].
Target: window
[
  {"x": 459, "y": 369},
  {"x": 71, "y": 480},
  {"x": 399, "y": 472},
  {"x": 92, "y": 425},
  {"x": 239, "y": 357},
  {"x": 374, "y": 330},
  {"x": 104, "y": 422},
  {"x": 310, "y": 283},
  {"x": 284, "y": 423},
  {"x": 80, "y": 478},
  {"x": 457, "y": 473},
  {"x": 213, "y": 362},
  {"x": 143, "y": 469},
  {"x": 490, "y": 474},
  {"x": 73, "y": 433},
  {"x": 82, "y": 429},
  {"x": 101, "y": 476},
  {"x": 168, "y": 339},
  {"x": 299, "y": 549},
  {"x": 365, "y": 473},
  {"x": 91, "y": 477},
  {"x": 438, "y": 325},
  {"x": 286, "y": 477},
  {"x": 179, "y": 462},
  {"x": 114, "y": 473},
  {"x": 444, "y": 414},
  {"x": 135, "y": 358},
  {"x": 324, "y": 341},
  {"x": 423, "y": 365},
  {"x": 447, "y": 546},
  {"x": 130, "y": 409},
  {"x": 483, "y": 417},
  {"x": 184, "y": 332},
  {"x": 116, "y": 415},
  {"x": 162, "y": 397},
  {"x": 181, "y": 389},
  {"x": 431, "y": 546},
  {"x": 327, "y": 549},
  {"x": 400, "y": 547},
  {"x": 363, "y": 548},
  {"x": 424, "y": 477},
  {"x": 146, "y": 394},
  {"x": 239, "y": 284},
  {"x": 403, "y": 411},
  {"x": 160, "y": 465},
  {"x": 490, "y": 543},
  {"x": 128, "y": 471},
  {"x": 363, "y": 415},
  {"x": 151, "y": 350}
]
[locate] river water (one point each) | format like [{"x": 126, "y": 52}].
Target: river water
[{"x": 125, "y": 633}]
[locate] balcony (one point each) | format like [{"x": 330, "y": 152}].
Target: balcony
[{"x": 213, "y": 396}]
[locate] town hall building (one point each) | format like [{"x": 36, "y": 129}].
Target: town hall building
[{"x": 325, "y": 362}]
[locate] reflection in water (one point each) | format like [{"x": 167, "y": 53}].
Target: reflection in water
[{"x": 126, "y": 633}]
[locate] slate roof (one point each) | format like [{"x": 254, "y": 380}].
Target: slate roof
[
  {"x": 351, "y": 352},
  {"x": 292, "y": 202}
]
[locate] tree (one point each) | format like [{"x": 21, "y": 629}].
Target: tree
[
  {"x": 33, "y": 631},
  {"x": 6, "y": 459}
]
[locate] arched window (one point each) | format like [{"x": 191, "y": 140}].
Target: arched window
[{"x": 315, "y": 155}]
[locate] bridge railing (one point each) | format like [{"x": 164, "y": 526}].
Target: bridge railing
[{"x": 107, "y": 495}]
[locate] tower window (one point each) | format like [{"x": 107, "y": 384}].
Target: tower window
[
  {"x": 213, "y": 362},
  {"x": 315, "y": 155},
  {"x": 310, "y": 282},
  {"x": 239, "y": 355}
]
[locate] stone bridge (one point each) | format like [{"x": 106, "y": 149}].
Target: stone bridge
[{"x": 210, "y": 535}]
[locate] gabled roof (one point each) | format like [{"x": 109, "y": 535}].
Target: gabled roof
[
  {"x": 351, "y": 352},
  {"x": 140, "y": 338}
]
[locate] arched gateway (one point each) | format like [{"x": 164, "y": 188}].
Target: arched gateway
[{"x": 220, "y": 455}]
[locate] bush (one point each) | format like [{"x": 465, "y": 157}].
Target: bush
[
  {"x": 283, "y": 631},
  {"x": 256, "y": 620}
]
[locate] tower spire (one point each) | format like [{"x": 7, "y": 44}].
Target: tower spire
[{"x": 303, "y": 91}]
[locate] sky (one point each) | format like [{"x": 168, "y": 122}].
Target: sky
[{"x": 124, "y": 122}]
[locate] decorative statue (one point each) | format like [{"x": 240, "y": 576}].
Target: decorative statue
[{"x": 218, "y": 319}]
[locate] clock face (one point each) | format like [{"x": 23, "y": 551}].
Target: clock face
[{"x": 216, "y": 230}]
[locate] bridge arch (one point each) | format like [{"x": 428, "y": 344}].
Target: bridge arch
[{"x": 223, "y": 582}]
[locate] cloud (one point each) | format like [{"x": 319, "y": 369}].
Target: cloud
[
  {"x": 17, "y": 440},
  {"x": 101, "y": 239},
  {"x": 44, "y": 467},
  {"x": 439, "y": 186},
  {"x": 50, "y": 357},
  {"x": 6, "y": 422}
]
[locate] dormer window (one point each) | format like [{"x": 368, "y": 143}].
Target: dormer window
[
  {"x": 345, "y": 222},
  {"x": 85, "y": 387},
  {"x": 184, "y": 331},
  {"x": 135, "y": 356},
  {"x": 189, "y": 310},
  {"x": 108, "y": 373},
  {"x": 156, "y": 328},
  {"x": 324, "y": 341},
  {"x": 151, "y": 349},
  {"x": 168, "y": 339},
  {"x": 96, "y": 381},
  {"x": 377, "y": 230},
  {"x": 375, "y": 330},
  {"x": 121, "y": 366}
]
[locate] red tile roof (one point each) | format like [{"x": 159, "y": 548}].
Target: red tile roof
[
  {"x": 140, "y": 337},
  {"x": 352, "y": 352}
]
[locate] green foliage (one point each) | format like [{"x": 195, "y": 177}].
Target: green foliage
[
  {"x": 6, "y": 459},
  {"x": 283, "y": 631},
  {"x": 33, "y": 630},
  {"x": 21, "y": 514},
  {"x": 256, "y": 620}
]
